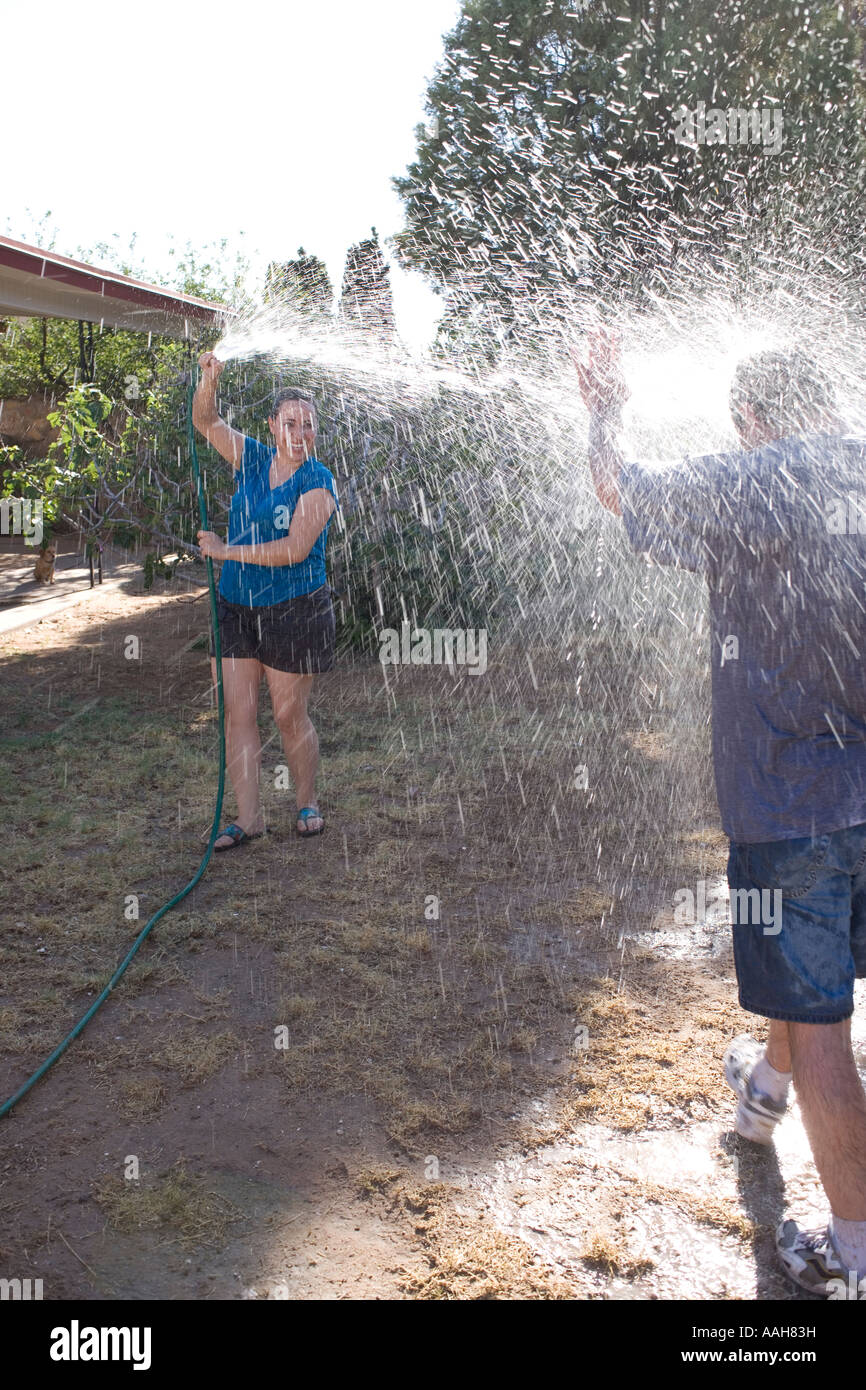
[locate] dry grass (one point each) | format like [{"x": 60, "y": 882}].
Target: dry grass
[
  {"x": 140, "y": 1097},
  {"x": 195, "y": 1056},
  {"x": 610, "y": 1257},
  {"x": 469, "y": 1258},
  {"x": 443, "y": 1025},
  {"x": 709, "y": 1211},
  {"x": 641, "y": 1060},
  {"x": 374, "y": 1180},
  {"x": 175, "y": 1203}
]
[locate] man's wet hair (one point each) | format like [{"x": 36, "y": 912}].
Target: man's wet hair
[
  {"x": 787, "y": 390},
  {"x": 293, "y": 393}
]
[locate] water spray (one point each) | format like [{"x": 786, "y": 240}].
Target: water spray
[{"x": 679, "y": 401}]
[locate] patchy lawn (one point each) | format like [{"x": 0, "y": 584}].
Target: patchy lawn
[{"x": 318, "y": 1059}]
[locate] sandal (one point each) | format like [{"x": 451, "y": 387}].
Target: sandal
[
  {"x": 304, "y": 814},
  {"x": 238, "y": 837}
]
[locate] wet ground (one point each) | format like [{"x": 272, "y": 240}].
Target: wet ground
[
  {"x": 596, "y": 1166},
  {"x": 659, "y": 1196}
]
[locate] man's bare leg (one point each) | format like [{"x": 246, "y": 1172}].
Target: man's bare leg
[
  {"x": 834, "y": 1112},
  {"x": 778, "y": 1052}
]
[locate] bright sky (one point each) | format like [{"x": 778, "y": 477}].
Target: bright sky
[{"x": 272, "y": 125}]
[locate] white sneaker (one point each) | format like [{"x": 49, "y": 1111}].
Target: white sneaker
[
  {"x": 811, "y": 1260},
  {"x": 757, "y": 1114}
]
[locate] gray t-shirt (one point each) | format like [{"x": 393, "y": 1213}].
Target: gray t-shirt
[{"x": 777, "y": 532}]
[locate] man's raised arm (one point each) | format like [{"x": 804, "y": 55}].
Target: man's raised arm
[{"x": 604, "y": 390}]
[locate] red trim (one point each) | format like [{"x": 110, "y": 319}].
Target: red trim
[{"x": 17, "y": 255}]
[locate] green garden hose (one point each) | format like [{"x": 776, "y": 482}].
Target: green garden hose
[{"x": 178, "y": 897}]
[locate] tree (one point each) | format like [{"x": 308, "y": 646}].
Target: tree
[
  {"x": 552, "y": 164},
  {"x": 365, "y": 299},
  {"x": 304, "y": 283},
  {"x": 118, "y": 468}
]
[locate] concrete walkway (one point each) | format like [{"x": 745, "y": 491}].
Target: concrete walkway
[{"x": 24, "y": 600}]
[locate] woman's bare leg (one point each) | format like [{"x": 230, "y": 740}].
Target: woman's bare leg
[
  {"x": 289, "y": 696},
  {"x": 241, "y": 680}
]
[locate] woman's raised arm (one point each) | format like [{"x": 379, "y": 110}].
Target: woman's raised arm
[{"x": 206, "y": 418}]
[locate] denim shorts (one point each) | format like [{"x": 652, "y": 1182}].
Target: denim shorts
[
  {"x": 295, "y": 636},
  {"x": 798, "y": 959}
]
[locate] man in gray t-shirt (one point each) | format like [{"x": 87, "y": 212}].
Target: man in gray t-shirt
[
  {"x": 788, "y": 604},
  {"x": 779, "y": 530}
]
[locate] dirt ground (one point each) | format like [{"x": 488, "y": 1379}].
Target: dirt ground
[{"x": 457, "y": 1047}]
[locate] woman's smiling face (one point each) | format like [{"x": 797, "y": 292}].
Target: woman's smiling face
[{"x": 294, "y": 428}]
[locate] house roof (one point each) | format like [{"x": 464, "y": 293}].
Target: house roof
[{"x": 41, "y": 284}]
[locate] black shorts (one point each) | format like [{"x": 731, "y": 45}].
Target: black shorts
[{"x": 296, "y": 636}]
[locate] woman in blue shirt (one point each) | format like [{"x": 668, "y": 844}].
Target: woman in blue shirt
[{"x": 274, "y": 607}]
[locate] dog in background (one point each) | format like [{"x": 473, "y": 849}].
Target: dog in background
[{"x": 43, "y": 570}]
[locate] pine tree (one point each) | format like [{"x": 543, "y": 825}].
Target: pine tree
[
  {"x": 551, "y": 161},
  {"x": 366, "y": 295},
  {"x": 303, "y": 282}
]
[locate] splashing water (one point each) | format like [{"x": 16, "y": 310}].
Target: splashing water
[{"x": 490, "y": 462}]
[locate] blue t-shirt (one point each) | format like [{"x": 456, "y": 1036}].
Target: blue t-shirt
[
  {"x": 260, "y": 514},
  {"x": 781, "y": 537}
]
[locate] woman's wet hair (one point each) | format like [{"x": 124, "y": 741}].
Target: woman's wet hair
[
  {"x": 787, "y": 390},
  {"x": 293, "y": 393}
]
